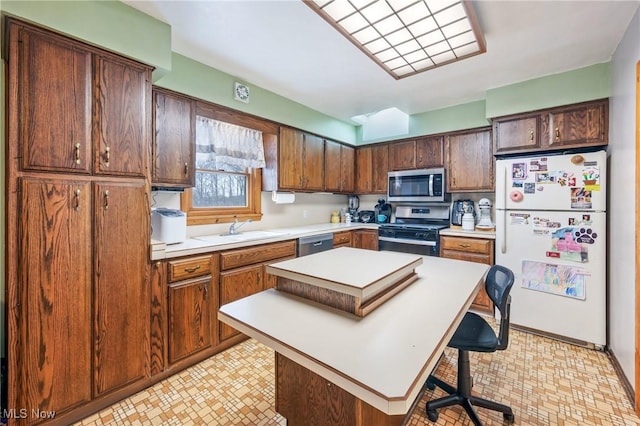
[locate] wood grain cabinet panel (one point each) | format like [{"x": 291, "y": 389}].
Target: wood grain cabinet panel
[
  {"x": 379, "y": 168},
  {"x": 190, "y": 310},
  {"x": 342, "y": 239},
  {"x": 477, "y": 250},
  {"x": 339, "y": 162},
  {"x": 430, "y": 152},
  {"x": 366, "y": 239},
  {"x": 469, "y": 161},
  {"x": 364, "y": 174},
  {"x": 123, "y": 117},
  {"x": 313, "y": 163},
  {"x": 50, "y": 101},
  {"x": 300, "y": 161},
  {"x": 236, "y": 284},
  {"x": 54, "y": 344},
  {"x": 237, "y": 258},
  {"x": 190, "y": 267},
  {"x": 581, "y": 125},
  {"x": 402, "y": 155},
  {"x": 517, "y": 133},
  {"x": 174, "y": 140},
  {"x": 121, "y": 284}
]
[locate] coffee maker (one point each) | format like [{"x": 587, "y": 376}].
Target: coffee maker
[{"x": 354, "y": 205}]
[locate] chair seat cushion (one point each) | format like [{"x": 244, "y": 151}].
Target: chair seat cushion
[{"x": 474, "y": 334}]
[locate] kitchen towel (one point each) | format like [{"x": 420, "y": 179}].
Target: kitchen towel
[{"x": 283, "y": 197}]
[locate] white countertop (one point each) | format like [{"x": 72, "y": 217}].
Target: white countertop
[
  {"x": 456, "y": 231},
  {"x": 383, "y": 358},
  {"x": 201, "y": 244}
]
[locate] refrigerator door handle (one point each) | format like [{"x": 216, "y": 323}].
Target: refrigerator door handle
[{"x": 503, "y": 242}]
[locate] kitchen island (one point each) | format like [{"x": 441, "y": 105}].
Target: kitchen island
[{"x": 333, "y": 367}]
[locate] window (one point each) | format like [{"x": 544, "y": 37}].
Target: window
[{"x": 228, "y": 173}]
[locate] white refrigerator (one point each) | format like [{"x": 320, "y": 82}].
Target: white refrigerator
[{"x": 551, "y": 232}]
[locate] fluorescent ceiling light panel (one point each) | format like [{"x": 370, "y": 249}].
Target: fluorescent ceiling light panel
[{"x": 421, "y": 34}]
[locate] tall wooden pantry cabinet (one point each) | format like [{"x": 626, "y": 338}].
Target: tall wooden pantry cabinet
[{"x": 78, "y": 183}]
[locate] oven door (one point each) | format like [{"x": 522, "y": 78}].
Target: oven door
[{"x": 403, "y": 245}]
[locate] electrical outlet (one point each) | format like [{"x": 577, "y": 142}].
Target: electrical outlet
[{"x": 305, "y": 213}]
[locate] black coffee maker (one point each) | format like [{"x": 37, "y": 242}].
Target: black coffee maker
[
  {"x": 459, "y": 208},
  {"x": 383, "y": 211}
]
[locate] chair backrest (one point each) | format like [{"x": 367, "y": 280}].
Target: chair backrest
[{"x": 498, "y": 283}]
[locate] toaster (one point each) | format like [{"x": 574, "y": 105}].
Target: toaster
[{"x": 169, "y": 225}]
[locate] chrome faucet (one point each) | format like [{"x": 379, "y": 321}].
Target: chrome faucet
[{"x": 235, "y": 226}]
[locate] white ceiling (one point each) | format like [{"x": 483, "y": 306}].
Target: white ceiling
[{"x": 285, "y": 47}]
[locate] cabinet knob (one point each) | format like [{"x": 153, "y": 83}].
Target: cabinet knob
[
  {"x": 531, "y": 135},
  {"x": 557, "y": 134},
  {"x": 186, "y": 169},
  {"x": 106, "y": 200},
  {"x": 192, "y": 269},
  {"x": 107, "y": 156},
  {"x": 464, "y": 245},
  {"x": 77, "y": 206}
]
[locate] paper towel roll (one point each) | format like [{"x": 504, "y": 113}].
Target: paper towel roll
[{"x": 282, "y": 197}]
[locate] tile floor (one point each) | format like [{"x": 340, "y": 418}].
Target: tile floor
[{"x": 546, "y": 382}]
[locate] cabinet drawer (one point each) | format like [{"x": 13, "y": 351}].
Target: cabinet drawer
[
  {"x": 190, "y": 267},
  {"x": 342, "y": 238},
  {"x": 248, "y": 256},
  {"x": 468, "y": 245}
]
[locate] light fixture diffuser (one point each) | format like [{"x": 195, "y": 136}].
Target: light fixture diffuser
[{"x": 406, "y": 37}]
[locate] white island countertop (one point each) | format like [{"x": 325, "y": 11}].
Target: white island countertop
[{"x": 383, "y": 358}]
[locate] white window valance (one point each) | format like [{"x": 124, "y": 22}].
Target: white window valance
[{"x": 227, "y": 147}]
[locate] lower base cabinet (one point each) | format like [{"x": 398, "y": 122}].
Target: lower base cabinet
[
  {"x": 306, "y": 399},
  {"x": 366, "y": 239},
  {"x": 242, "y": 273},
  {"x": 478, "y": 250}
]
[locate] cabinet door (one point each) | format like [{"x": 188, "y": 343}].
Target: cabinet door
[
  {"x": 363, "y": 170},
  {"x": 332, "y": 171},
  {"x": 49, "y": 309},
  {"x": 290, "y": 153},
  {"x": 121, "y": 133},
  {"x": 189, "y": 318},
  {"x": 470, "y": 164},
  {"x": 174, "y": 140},
  {"x": 313, "y": 166},
  {"x": 236, "y": 284},
  {"x": 379, "y": 168},
  {"x": 579, "y": 125},
  {"x": 516, "y": 134},
  {"x": 50, "y": 101},
  {"x": 366, "y": 239},
  {"x": 402, "y": 155},
  {"x": 121, "y": 284},
  {"x": 430, "y": 152},
  {"x": 347, "y": 169}
]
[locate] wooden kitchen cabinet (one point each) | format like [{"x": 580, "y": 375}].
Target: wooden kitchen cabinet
[
  {"x": 585, "y": 124},
  {"x": 342, "y": 239},
  {"x": 430, "y": 152},
  {"x": 78, "y": 298},
  {"x": 366, "y": 239},
  {"x": 191, "y": 304},
  {"x": 480, "y": 250},
  {"x": 242, "y": 273},
  {"x": 372, "y": 165},
  {"x": 339, "y": 163},
  {"x": 174, "y": 140},
  {"x": 517, "y": 133},
  {"x": 67, "y": 94},
  {"x": 301, "y": 161},
  {"x": 402, "y": 155},
  {"x": 469, "y": 161}
]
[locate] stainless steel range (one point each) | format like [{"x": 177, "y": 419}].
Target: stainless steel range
[{"x": 415, "y": 229}]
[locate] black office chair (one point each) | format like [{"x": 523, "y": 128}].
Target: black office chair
[{"x": 475, "y": 334}]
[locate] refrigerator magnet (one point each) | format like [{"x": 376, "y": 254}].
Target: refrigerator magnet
[
  {"x": 516, "y": 196},
  {"x": 519, "y": 171},
  {"x": 529, "y": 188}
]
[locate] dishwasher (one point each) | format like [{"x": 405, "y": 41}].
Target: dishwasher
[{"x": 314, "y": 244}]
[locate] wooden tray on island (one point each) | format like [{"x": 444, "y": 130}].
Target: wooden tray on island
[{"x": 352, "y": 280}]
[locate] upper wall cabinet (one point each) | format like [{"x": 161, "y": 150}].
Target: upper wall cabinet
[
  {"x": 469, "y": 161},
  {"x": 372, "y": 165},
  {"x": 174, "y": 140},
  {"x": 417, "y": 154},
  {"x": 573, "y": 126},
  {"x": 66, "y": 95},
  {"x": 295, "y": 162},
  {"x": 339, "y": 165}
]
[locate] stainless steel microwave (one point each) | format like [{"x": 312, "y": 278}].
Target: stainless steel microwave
[{"x": 422, "y": 185}]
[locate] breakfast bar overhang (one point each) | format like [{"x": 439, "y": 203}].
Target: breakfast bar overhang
[{"x": 381, "y": 360}]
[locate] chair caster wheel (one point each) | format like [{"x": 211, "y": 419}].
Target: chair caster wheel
[
  {"x": 430, "y": 386},
  {"x": 432, "y": 415},
  {"x": 509, "y": 417}
]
